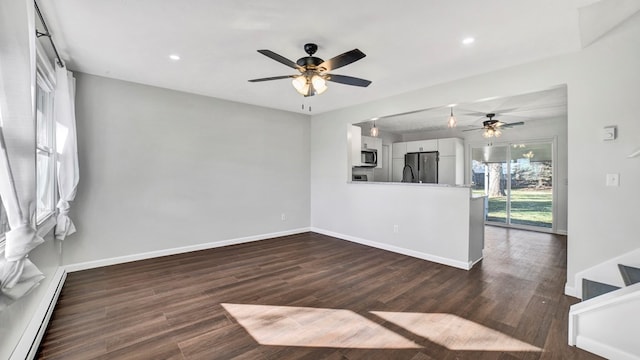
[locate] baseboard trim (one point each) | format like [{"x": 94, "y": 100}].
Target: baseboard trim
[
  {"x": 420, "y": 255},
  {"x": 571, "y": 291},
  {"x": 180, "y": 250},
  {"x": 473, "y": 263},
  {"x": 604, "y": 350},
  {"x": 29, "y": 343}
]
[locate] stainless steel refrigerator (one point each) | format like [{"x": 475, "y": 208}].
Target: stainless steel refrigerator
[{"x": 421, "y": 167}]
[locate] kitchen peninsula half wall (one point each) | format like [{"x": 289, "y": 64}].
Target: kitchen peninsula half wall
[
  {"x": 438, "y": 223},
  {"x": 431, "y": 220}
]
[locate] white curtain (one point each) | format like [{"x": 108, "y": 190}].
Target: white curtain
[
  {"x": 18, "y": 275},
  {"x": 66, "y": 147}
]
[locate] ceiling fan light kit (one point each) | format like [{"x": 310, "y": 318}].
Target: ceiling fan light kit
[
  {"x": 491, "y": 133},
  {"x": 309, "y": 85},
  {"x": 493, "y": 128},
  {"x": 314, "y": 71}
]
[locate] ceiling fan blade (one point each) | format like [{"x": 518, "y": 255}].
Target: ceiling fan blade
[
  {"x": 342, "y": 60},
  {"x": 473, "y": 129},
  {"x": 348, "y": 80},
  {"x": 272, "y": 78},
  {"x": 281, "y": 59},
  {"x": 505, "y": 125}
]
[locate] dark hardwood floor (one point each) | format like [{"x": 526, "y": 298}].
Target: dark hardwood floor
[{"x": 311, "y": 296}]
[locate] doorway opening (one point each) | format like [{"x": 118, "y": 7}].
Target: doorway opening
[{"x": 517, "y": 180}]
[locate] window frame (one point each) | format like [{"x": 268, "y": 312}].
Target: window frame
[
  {"x": 45, "y": 146},
  {"x": 45, "y": 79}
]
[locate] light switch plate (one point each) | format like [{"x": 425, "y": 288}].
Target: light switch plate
[{"x": 613, "y": 179}]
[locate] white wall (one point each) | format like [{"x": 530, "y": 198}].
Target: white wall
[
  {"x": 603, "y": 85},
  {"x": 162, "y": 169}
]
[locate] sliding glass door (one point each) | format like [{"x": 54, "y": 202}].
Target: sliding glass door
[
  {"x": 517, "y": 180},
  {"x": 489, "y": 166}
]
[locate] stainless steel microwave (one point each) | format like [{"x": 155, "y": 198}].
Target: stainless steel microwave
[{"x": 369, "y": 157}]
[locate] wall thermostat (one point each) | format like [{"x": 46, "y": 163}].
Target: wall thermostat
[{"x": 609, "y": 133}]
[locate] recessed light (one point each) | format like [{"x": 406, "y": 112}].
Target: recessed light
[
  {"x": 174, "y": 57},
  {"x": 468, "y": 41}
]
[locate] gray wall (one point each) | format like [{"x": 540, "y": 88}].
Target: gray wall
[
  {"x": 603, "y": 84},
  {"x": 162, "y": 169}
]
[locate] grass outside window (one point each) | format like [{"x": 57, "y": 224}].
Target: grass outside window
[{"x": 531, "y": 207}]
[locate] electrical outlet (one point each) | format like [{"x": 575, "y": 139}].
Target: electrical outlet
[
  {"x": 283, "y": 216},
  {"x": 395, "y": 228},
  {"x": 613, "y": 179}
]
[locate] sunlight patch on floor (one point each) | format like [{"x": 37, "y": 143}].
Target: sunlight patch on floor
[
  {"x": 454, "y": 332},
  {"x": 314, "y": 327}
]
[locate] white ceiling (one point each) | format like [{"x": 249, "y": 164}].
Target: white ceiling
[{"x": 409, "y": 44}]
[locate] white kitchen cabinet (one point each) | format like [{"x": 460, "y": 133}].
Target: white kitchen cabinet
[
  {"x": 369, "y": 142},
  {"x": 355, "y": 138},
  {"x": 373, "y": 143},
  {"x": 450, "y": 146},
  {"x": 451, "y": 164},
  {"x": 422, "y": 145},
  {"x": 396, "y": 171},
  {"x": 398, "y": 150}
]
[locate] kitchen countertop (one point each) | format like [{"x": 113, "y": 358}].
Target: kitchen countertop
[
  {"x": 408, "y": 184},
  {"x": 473, "y": 196}
]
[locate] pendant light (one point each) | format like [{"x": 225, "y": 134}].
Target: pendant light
[
  {"x": 374, "y": 130},
  {"x": 452, "y": 120}
]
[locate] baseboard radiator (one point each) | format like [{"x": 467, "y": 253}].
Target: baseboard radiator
[{"x": 27, "y": 347}]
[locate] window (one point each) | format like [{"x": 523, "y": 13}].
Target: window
[
  {"x": 45, "y": 145},
  {"x": 45, "y": 154}
]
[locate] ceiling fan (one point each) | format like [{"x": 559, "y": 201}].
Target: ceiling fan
[
  {"x": 493, "y": 127},
  {"x": 314, "y": 71}
]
